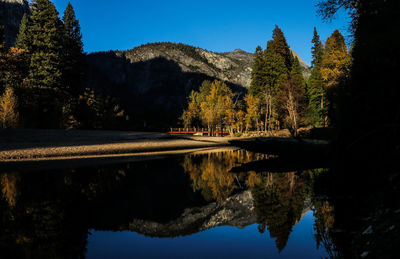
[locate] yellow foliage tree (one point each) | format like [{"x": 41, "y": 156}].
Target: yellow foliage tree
[
  {"x": 252, "y": 111},
  {"x": 335, "y": 66},
  {"x": 8, "y": 109},
  {"x": 217, "y": 109}
]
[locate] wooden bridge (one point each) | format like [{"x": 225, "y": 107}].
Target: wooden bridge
[{"x": 202, "y": 131}]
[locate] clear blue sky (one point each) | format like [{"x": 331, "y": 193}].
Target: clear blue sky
[{"x": 216, "y": 25}]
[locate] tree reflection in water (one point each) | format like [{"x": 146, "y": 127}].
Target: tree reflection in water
[
  {"x": 210, "y": 173},
  {"x": 48, "y": 214},
  {"x": 279, "y": 201},
  {"x": 279, "y": 198}
]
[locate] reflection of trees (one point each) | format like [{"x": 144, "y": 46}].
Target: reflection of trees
[
  {"x": 279, "y": 202},
  {"x": 8, "y": 183},
  {"x": 44, "y": 215},
  {"x": 324, "y": 220},
  {"x": 210, "y": 173},
  {"x": 279, "y": 198}
]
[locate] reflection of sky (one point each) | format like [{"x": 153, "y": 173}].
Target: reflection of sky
[{"x": 217, "y": 242}]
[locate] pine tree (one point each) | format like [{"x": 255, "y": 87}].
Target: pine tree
[
  {"x": 42, "y": 103},
  {"x": 257, "y": 75},
  {"x": 23, "y": 40},
  {"x": 275, "y": 73},
  {"x": 280, "y": 47},
  {"x": 74, "y": 58},
  {"x": 315, "y": 92},
  {"x": 317, "y": 49},
  {"x": 45, "y": 45}
]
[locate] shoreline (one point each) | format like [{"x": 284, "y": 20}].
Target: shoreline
[{"x": 18, "y": 147}]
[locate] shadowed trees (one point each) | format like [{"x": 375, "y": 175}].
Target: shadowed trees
[{"x": 278, "y": 83}]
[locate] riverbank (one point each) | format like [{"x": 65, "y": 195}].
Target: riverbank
[{"x": 34, "y": 145}]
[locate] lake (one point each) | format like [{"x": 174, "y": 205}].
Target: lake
[{"x": 188, "y": 206}]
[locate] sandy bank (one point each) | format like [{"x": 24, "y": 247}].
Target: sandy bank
[{"x": 35, "y": 145}]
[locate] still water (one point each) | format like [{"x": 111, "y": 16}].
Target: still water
[{"x": 188, "y": 206}]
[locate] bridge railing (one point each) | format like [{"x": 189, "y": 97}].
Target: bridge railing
[{"x": 197, "y": 130}]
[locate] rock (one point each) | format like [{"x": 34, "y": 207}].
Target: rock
[
  {"x": 364, "y": 254},
  {"x": 368, "y": 231},
  {"x": 11, "y": 12}
]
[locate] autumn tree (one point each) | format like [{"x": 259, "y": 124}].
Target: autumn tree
[
  {"x": 8, "y": 109},
  {"x": 191, "y": 116},
  {"x": 212, "y": 106},
  {"x": 335, "y": 60},
  {"x": 252, "y": 117},
  {"x": 216, "y": 105},
  {"x": 335, "y": 66}
]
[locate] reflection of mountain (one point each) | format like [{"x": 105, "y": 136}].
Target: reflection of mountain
[
  {"x": 51, "y": 212},
  {"x": 237, "y": 210}
]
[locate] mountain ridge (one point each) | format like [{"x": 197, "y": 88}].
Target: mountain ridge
[
  {"x": 154, "y": 80},
  {"x": 234, "y": 66}
]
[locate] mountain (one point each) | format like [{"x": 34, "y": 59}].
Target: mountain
[
  {"x": 11, "y": 12},
  {"x": 234, "y": 67},
  {"x": 154, "y": 80},
  {"x": 304, "y": 67}
]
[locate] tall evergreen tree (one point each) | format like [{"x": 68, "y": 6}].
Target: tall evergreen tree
[
  {"x": 317, "y": 49},
  {"x": 74, "y": 58},
  {"x": 315, "y": 90},
  {"x": 275, "y": 73},
  {"x": 45, "y": 35},
  {"x": 42, "y": 103},
  {"x": 280, "y": 47},
  {"x": 23, "y": 40},
  {"x": 258, "y": 73}
]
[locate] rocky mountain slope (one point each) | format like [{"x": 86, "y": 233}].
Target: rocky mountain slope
[
  {"x": 236, "y": 211},
  {"x": 155, "y": 79},
  {"x": 11, "y": 12},
  {"x": 234, "y": 67}
]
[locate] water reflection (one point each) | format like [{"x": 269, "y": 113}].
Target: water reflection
[
  {"x": 211, "y": 175},
  {"x": 49, "y": 214},
  {"x": 280, "y": 201}
]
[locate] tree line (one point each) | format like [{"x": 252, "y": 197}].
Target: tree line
[
  {"x": 43, "y": 80},
  {"x": 279, "y": 96}
]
